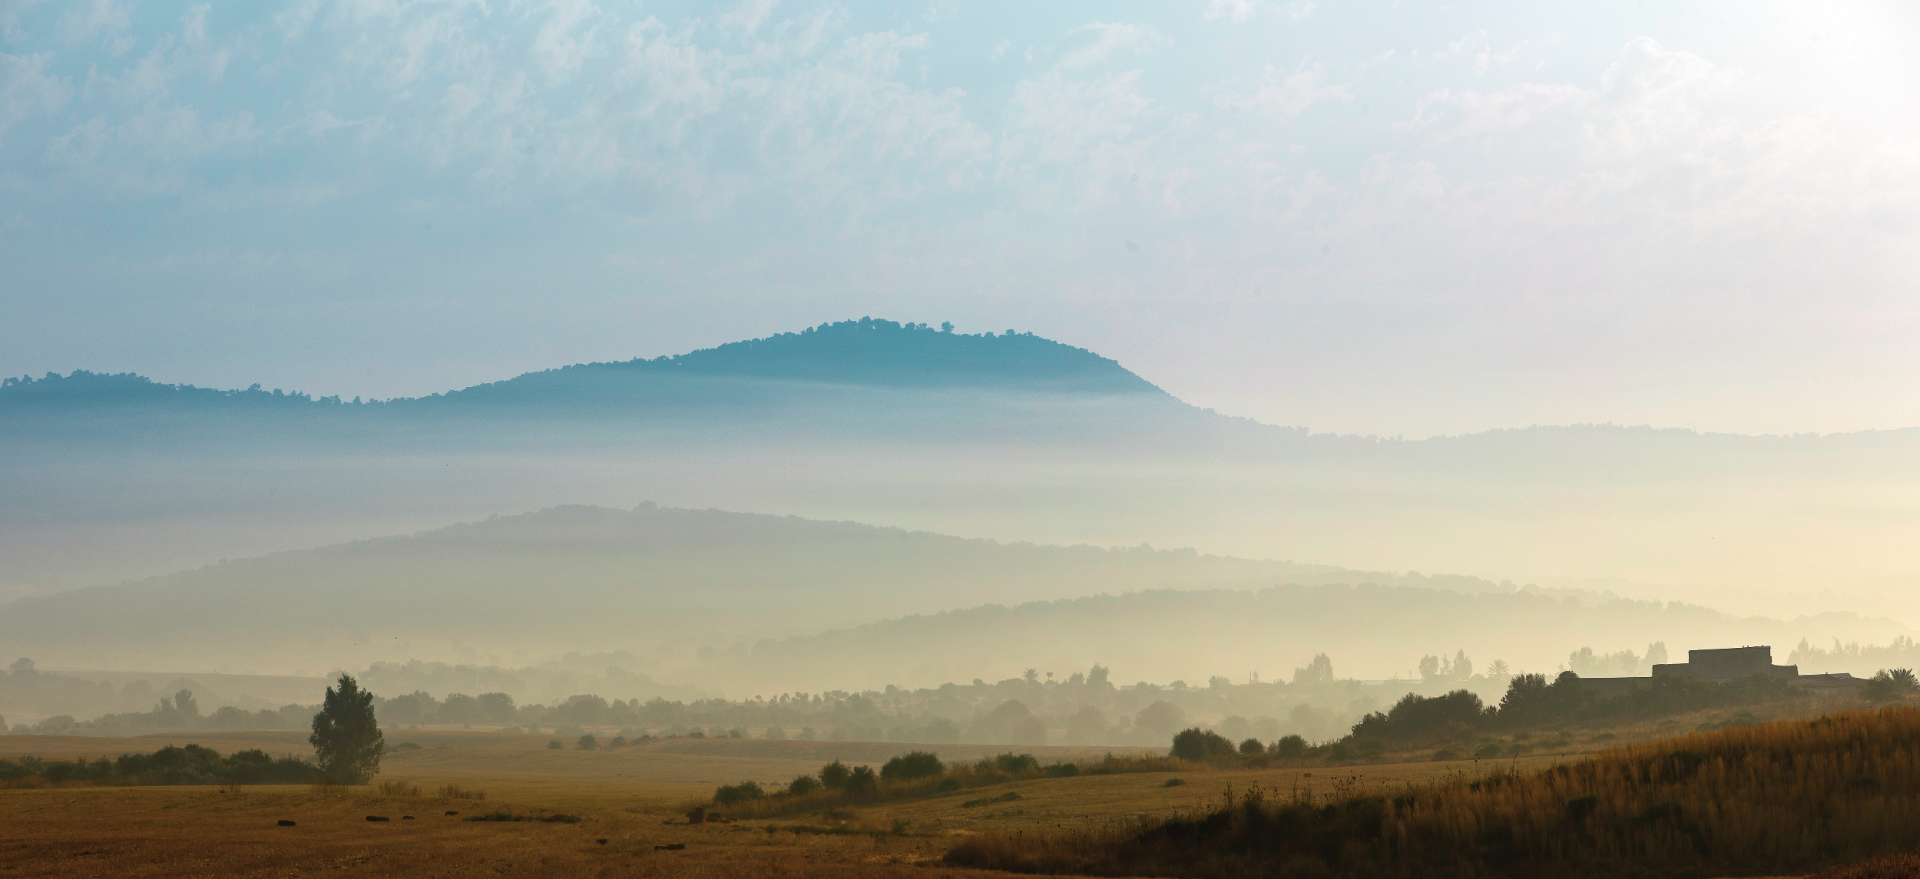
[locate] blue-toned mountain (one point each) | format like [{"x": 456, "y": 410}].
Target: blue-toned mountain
[{"x": 848, "y": 355}]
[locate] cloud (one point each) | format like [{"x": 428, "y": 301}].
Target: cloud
[
  {"x": 103, "y": 20},
  {"x": 1075, "y": 143},
  {"x": 1239, "y": 11},
  {"x": 25, "y": 87},
  {"x": 1108, "y": 39},
  {"x": 565, "y": 37},
  {"x": 747, "y": 16},
  {"x": 1277, "y": 93}
]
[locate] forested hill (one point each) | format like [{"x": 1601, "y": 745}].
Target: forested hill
[
  {"x": 866, "y": 352},
  {"x": 884, "y": 353}
]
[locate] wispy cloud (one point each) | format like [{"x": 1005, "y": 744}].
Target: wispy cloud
[{"x": 1109, "y": 38}]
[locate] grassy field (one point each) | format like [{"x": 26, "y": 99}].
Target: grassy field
[
  {"x": 1790, "y": 795},
  {"x": 634, "y": 798}
]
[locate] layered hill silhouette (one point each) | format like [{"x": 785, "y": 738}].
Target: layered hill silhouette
[
  {"x": 866, "y": 353},
  {"x": 743, "y": 603},
  {"x": 1008, "y": 436},
  {"x": 578, "y": 578}
]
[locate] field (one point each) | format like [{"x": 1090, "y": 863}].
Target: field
[
  {"x": 628, "y": 804},
  {"x": 634, "y": 798}
]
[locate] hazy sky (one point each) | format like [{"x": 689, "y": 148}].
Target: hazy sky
[{"x": 1396, "y": 218}]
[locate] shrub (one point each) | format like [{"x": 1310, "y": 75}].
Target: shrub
[
  {"x": 1252, "y": 748},
  {"x": 912, "y": 765},
  {"x": 1890, "y": 685},
  {"x": 509, "y": 816},
  {"x": 554, "y": 745},
  {"x": 191, "y": 764},
  {"x": 730, "y": 794},
  {"x": 1016, "y": 764},
  {"x": 801, "y": 785},
  {"x": 862, "y": 783},
  {"x": 1199, "y": 745},
  {"x": 1290, "y": 748},
  {"x": 833, "y": 776},
  {"x": 587, "y": 743}
]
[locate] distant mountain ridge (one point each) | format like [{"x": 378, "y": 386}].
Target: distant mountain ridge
[
  {"x": 868, "y": 352},
  {"x": 732, "y": 600},
  {"x": 578, "y": 577}
]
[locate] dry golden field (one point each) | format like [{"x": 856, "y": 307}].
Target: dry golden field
[{"x": 634, "y": 798}]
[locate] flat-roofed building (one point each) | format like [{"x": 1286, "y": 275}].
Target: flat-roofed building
[{"x": 1728, "y": 663}]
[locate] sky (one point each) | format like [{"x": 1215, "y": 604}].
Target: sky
[{"x": 1379, "y": 217}]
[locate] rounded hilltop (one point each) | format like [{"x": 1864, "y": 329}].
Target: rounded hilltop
[{"x": 873, "y": 351}]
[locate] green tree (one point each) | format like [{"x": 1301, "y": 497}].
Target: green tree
[{"x": 346, "y": 737}]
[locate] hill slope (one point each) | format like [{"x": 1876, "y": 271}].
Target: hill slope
[
  {"x": 571, "y": 578},
  {"x": 738, "y": 602}
]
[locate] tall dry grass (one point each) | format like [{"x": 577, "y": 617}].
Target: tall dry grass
[
  {"x": 399, "y": 789},
  {"x": 1780, "y": 797}
]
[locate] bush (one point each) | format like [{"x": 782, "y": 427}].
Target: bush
[
  {"x": 912, "y": 765},
  {"x": 554, "y": 745},
  {"x": 833, "y": 776},
  {"x": 801, "y": 785},
  {"x": 1200, "y": 745},
  {"x": 1252, "y": 748},
  {"x": 1015, "y": 764},
  {"x": 191, "y": 764},
  {"x": 587, "y": 743},
  {"x": 1290, "y": 747},
  {"x": 862, "y": 783},
  {"x": 1891, "y": 685},
  {"x": 729, "y": 794}
]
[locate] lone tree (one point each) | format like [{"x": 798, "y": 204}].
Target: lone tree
[{"x": 345, "y": 735}]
